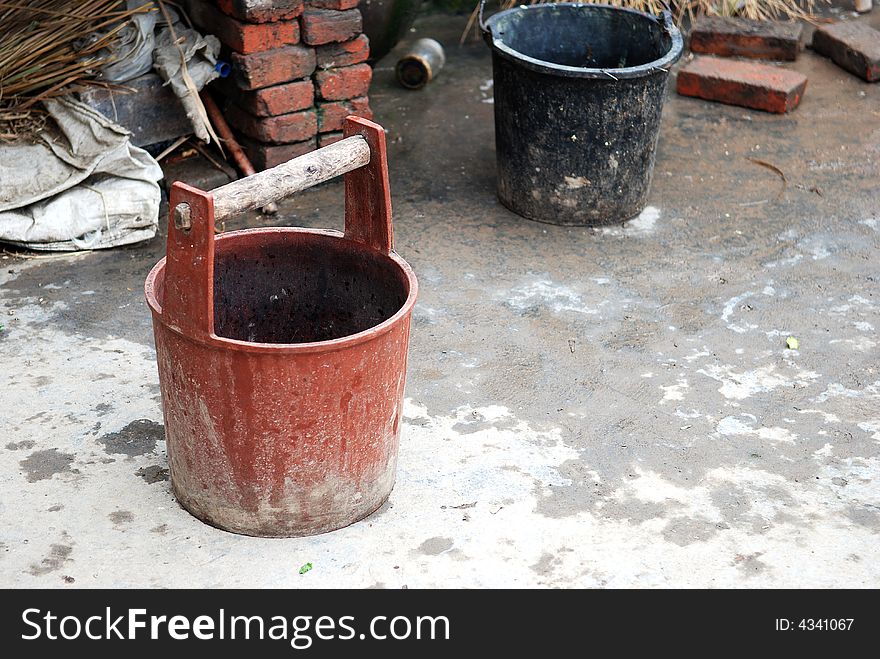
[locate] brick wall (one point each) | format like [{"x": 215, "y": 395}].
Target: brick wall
[{"x": 299, "y": 68}]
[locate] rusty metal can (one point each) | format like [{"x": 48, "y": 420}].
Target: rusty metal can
[{"x": 421, "y": 64}]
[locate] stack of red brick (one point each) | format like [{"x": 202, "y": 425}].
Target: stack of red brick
[
  {"x": 738, "y": 82},
  {"x": 299, "y": 68}
]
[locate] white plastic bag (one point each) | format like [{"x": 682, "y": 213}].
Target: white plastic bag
[{"x": 82, "y": 185}]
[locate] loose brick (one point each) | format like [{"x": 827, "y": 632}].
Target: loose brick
[
  {"x": 283, "y": 129},
  {"x": 741, "y": 37},
  {"x": 339, "y": 5},
  {"x": 271, "y": 101},
  {"x": 273, "y": 67},
  {"x": 343, "y": 83},
  {"x": 852, "y": 46},
  {"x": 331, "y": 116},
  {"x": 264, "y": 156},
  {"x": 320, "y": 26},
  {"x": 262, "y": 11},
  {"x": 244, "y": 38},
  {"x": 344, "y": 54},
  {"x": 736, "y": 82},
  {"x": 326, "y": 139}
]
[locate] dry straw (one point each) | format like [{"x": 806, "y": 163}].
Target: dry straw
[
  {"x": 754, "y": 9},
  {"x": 48, "y": 46}
]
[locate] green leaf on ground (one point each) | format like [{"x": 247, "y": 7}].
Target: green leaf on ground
[{"x": 305, "y": 568}]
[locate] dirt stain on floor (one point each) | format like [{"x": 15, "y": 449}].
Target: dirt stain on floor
[
  {"x": 546, "y": 564},
  {"x": 137, "y": 438},
  {"x": 58, "y": 556},
  {"x": 102, "y": 409},
  {"x": 121, "y": 517},
  {"x": 749, "y": 564},
  {"x": 435, "y": 546},
  {"x": 24, "y": 444},
  {"x": 41, "y": 465},
  {"x": 153, "y": 474}
]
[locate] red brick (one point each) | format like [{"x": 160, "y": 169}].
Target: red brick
[
  {"x": 331, "y": 116},
  {"x": 326, "y": 139},
  {"x": 271, "y": 101},
  {"x": 244, "y": 38},
  {"x": 339, "y": 5},
  {"x": 343, "y": 54},
  {"x": 741, "y": 37},
  {"x": 737, "y": 82},
  {"x": 343, "y": 83},
  {"x": 283, "y": 129},
  {"x": 852, "y": 46},
  {"x": 320, "y": 26},
  {"x": 262, "y": 11},
  {"x": 264, "y": 156},
  {"x": 273, "y": 67}
]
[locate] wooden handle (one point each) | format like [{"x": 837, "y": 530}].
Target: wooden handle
[
  {"x": 367, "y": 191},
  {"x": 188, "y": 304},
  {"x": 291, "y": 177}
]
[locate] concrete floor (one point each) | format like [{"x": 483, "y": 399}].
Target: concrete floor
[{"x": 611, "y": 407}]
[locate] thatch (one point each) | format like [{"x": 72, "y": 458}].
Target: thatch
[
  {"x": 46, "y": 48},
  {"x": 754, "y": 9}
]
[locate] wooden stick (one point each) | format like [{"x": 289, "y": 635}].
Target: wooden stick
[
  {"x": 207, "y": 156},
  {"x": 291, "y": 177},
  {"x": 174, "y": 145},
  {"x": 242, "y": 162}
]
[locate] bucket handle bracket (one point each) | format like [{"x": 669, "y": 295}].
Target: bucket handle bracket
[
  {"x": 188, "y": 301},
  {"x": 367, "y": 191}
]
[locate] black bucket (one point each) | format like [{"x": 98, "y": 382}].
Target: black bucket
[{"x": 579, "y": 90}]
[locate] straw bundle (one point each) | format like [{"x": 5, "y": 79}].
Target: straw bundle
[
  {"x": 46, "y": 46},
  {"x": 754, "y": 9}
]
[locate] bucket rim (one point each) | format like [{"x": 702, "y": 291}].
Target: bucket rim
[
  {"x": 542, "y": 66},
  {"x": 331, "y": 345}
]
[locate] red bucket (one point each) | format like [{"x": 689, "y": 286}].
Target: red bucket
[{"x": 282, "y": 351}]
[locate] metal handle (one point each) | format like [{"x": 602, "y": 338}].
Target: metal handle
[
  {"x": 188, "y": 300},
  {"x": 484, "y": 27},
  {"x": 668, "y": 20}
]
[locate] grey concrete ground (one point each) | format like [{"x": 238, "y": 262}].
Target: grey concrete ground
[{"x": 611, "y": 407}]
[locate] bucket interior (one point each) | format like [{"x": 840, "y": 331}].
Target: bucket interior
[
  {"x": 582, "y": 36},
  {"x": 300, "y": 287}
]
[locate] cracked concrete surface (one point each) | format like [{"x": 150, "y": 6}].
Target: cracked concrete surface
[{"x": 612, "y": 407}]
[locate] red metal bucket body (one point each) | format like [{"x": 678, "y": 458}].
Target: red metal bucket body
[{"x": 281, "y": 438}]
